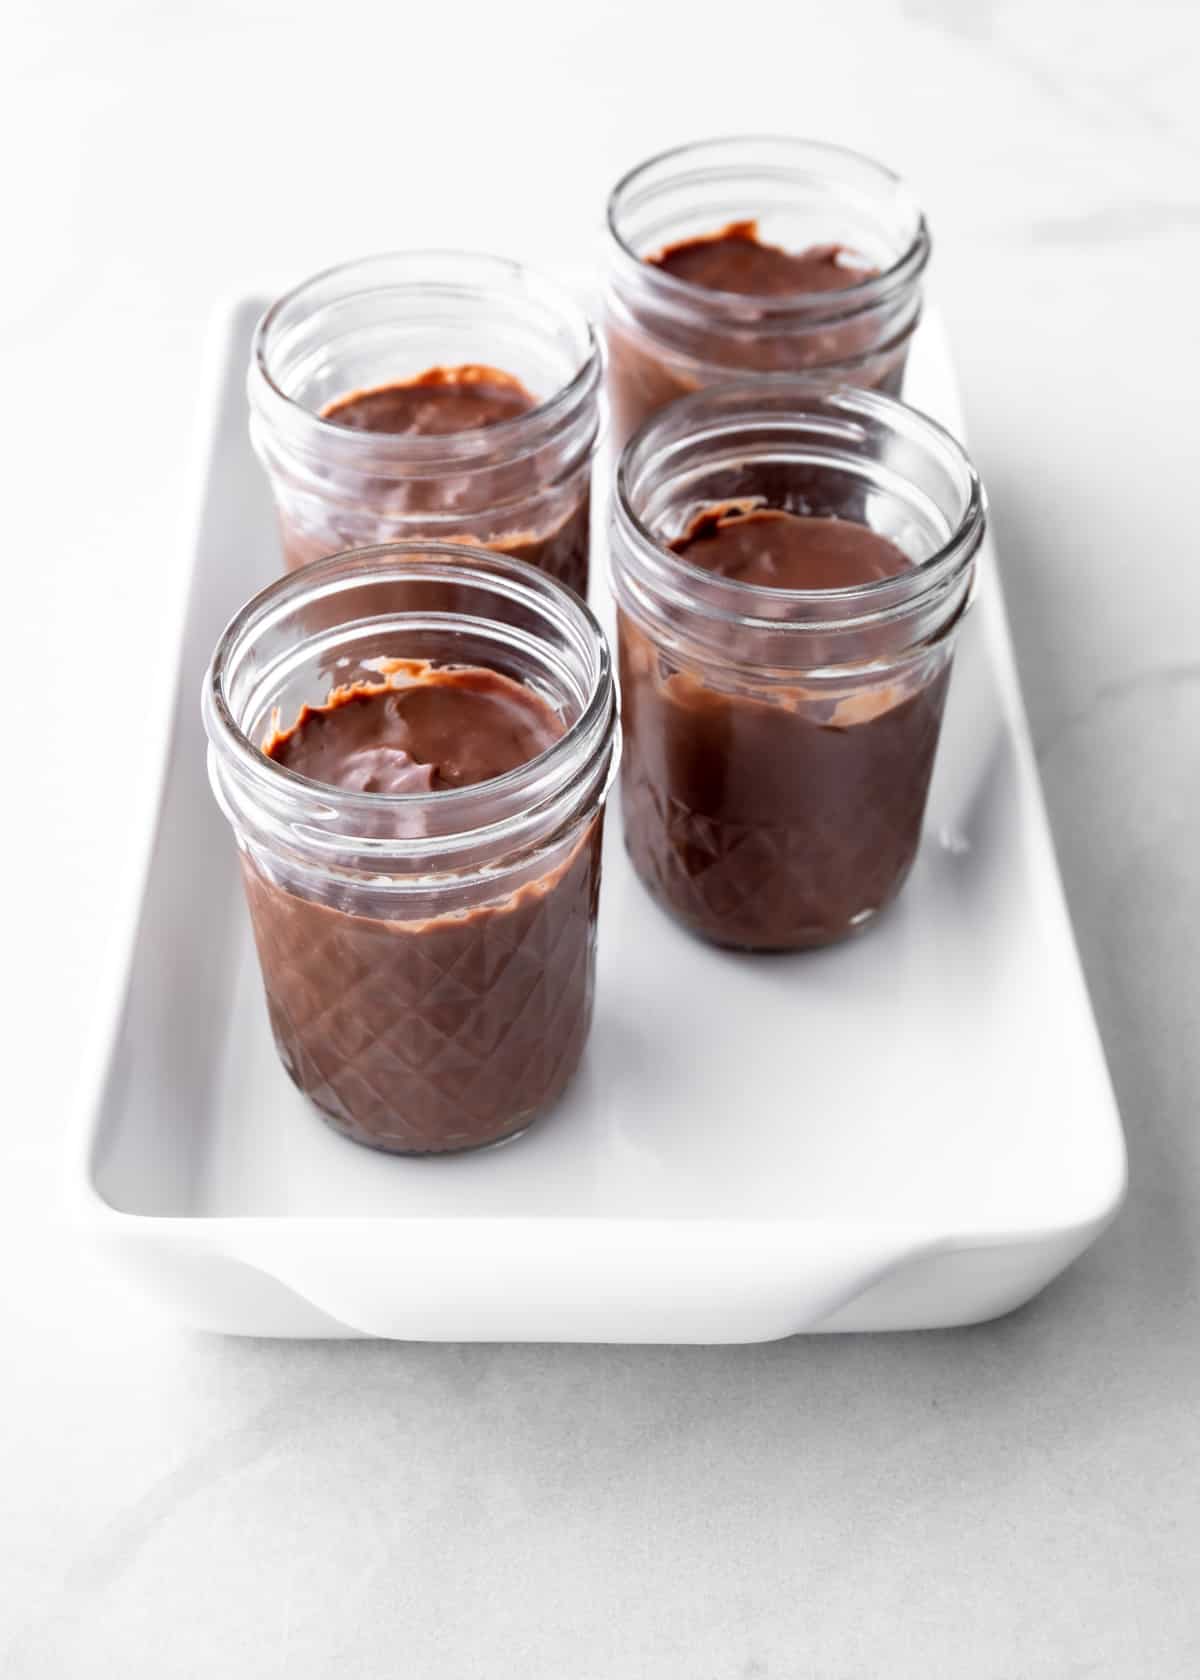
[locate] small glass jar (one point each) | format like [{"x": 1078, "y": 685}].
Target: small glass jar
[
  {"x": 428, "y": 958},
  {"x": 520, "y": 485},
  {"x": 779, "y": 742},
  {"x": 667, "y": 336}
]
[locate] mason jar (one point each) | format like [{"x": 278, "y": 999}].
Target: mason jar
[
  {"x": 428, "y": 956},
  {"x": 779, "y": 742},
  {"x": 668, "y": 336},
  {"x": 519, "y": 484}
]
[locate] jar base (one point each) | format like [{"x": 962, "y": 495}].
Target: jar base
[
  {"x": 815, "y": 940},
  {"x": 382, "y": 1144}
]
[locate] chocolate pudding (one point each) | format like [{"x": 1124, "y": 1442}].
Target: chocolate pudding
[
  {"x": 445, "y": 402},
  {"x": 772, "y": 817},
  {"x": 655, "y": 359},
  {"x": 427, "y": 729},
  {"x": 735, "y": 259},
  {"x": 445, "y": 1031},
  {"x": 435, "y": 403},
  {"x": 774, "y": 549}
]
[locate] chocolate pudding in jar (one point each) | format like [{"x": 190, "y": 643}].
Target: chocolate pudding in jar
[
  {"x": 791, "y": 570},
  {"x": 430, "y": 394},
  {"x": 415, "y": 774},
  {"x": 733, "y": 257}
]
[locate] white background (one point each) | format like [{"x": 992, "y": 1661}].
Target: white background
[{"x": 1018, "y": 1500}]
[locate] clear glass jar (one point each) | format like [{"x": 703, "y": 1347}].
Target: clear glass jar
[
  {"x": 428, "y": 958},
  {"x": 667, "y": 336},
  {"x": 779, "y": 742},
  {"x": 520, "y": 485}
]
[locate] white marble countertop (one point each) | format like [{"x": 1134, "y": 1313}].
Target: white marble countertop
[{"x": 1019, "y": 1500}]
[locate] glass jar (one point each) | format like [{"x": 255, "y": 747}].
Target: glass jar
[
  {"x": 427, "y": 957},
  {"x": 779, "y": 742},
  {"x": 668, "y": 336},
  {"x": 519, "y": 485}
]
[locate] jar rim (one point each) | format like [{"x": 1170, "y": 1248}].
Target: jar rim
[
  {"x": 755, "y": 606},
  {"x": 704, "y": 301},
  {"x": 523, "y": 430},
  {"x": 545, "y": 776}
]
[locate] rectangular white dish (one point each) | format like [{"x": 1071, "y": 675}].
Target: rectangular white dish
[{"x": 915, "y": 1129}]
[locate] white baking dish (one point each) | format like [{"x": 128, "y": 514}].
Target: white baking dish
[{"x": 914, "y": 1129}]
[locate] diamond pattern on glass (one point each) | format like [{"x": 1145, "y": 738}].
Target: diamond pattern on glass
[{"x": 439, "y": 1035}]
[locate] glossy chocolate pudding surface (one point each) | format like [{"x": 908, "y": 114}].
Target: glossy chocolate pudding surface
[
  {"x": 444, "y": 1030},
  {"x": 775, "y": 549},
  {"x": 501, "y": 501},
  {"x": 434, "y": 404},
  {"x": 435, "y": 728},
  {"x": 775, "y": 818},
  {"x": 735, "y": 259}
]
